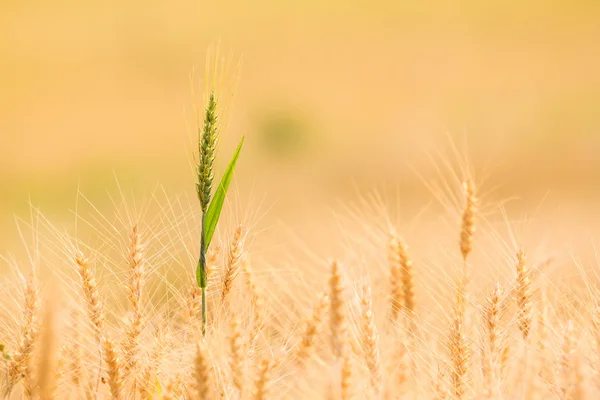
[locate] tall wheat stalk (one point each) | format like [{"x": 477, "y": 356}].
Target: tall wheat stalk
[{"x": 206, "y": 148}]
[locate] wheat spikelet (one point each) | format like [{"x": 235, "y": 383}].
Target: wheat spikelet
[
  {"x": 337, "y": 316},
  {"x": 90, "y": 294},
  {"x": 235, "y": 259},
  {"x": 460, "y": 353},
  {"x": 491, "y": 356},
  {"x": 113, "y": 368},
  {"x": 370, "y": 339},
  {"x": 20, "y": 366},
  {"x": 312, "y": 329},
  {"x": 467, "y": 230},
  {"x": 396, "y": 283},
  {"x": 261, "y": 386},
  {"x": 523, "y": 294},
  {"x": 136, "y": 266},
  {"x": 236, "y": 360},
  {"x": 201, "y": 372}
]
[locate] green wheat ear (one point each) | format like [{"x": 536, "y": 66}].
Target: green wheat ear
[
  {"x": 211, "y": 210},
  {"x": 207, "y": 145}
]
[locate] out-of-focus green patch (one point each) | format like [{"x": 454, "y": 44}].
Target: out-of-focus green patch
[{"x": 285, "y": 133}]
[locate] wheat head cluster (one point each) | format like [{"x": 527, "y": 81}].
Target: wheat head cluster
[{"x": 122, "y": 314}]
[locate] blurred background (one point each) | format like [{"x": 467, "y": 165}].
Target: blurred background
[{"x": 336, "y": 98}]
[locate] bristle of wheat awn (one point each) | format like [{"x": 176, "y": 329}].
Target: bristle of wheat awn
[
  {"x": 207, "y": 145},
  {"x": 523, "y": 294},
  {"x": 370, "y": 341},
  {"x": 91, "y": 296},
  {"x": 236, "y": 357},
  {"x": 48, "y": 362},
  {"x": 201, "y": 372},
  {"x": 566, "y": 362},
  {"x": 337, "y": 317},
  {"x": 396, "y": 283},
  {"x": 20, "y": 365},
  {"x": 312, "y": 329},
  {"x": 263, "y": 380},
  {"x": 235, "y": 259},
  {"x": 467, "y": 230},
  {"x": 460, "y": 353},
  {"x": 491, "y": 349},
  {"x": 113, "y": 369},
  {"x": 135, "y": 261}
]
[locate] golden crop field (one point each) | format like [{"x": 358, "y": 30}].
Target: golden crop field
[{"x": 413, "y": 213}]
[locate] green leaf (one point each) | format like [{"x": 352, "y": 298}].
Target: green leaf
[{"x": 214, "y": 209}]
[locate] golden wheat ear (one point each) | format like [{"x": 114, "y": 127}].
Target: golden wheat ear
[
  {"x": 337, "y": 316},
  {"x": 467, "y": 231},
  {"x": 370, "y": 341},
  {"x": 20, "y": 366},
  {"x": 313, "y": 327}
]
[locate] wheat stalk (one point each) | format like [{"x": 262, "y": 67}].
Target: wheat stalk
[
  {"x": 113, "y": 369},
  {"x": 20, "y": 365},
  {"x": 312, "y": 329},
  {"x": 91, "y": 296},
  {"x": 263, "y": 380},
  {"x": 202, "y": 372},
  {"x": 236, "y": 360},
  {"x": 491, "y": 356},
  {"x": 370, "y": 339},
  {"x": 467, "y": 230},
  {"x": 258, "y": 305},
  {"x": 235, "y": 259},
  {"x": 523, "y": 295},
  {"x": 396, "y": 282},
  {"x": 47, "y": 366},
  {"x": 134, "y": 285},
  {"x": 337, "y": 317},
  {"x": 460, "y": 353}
]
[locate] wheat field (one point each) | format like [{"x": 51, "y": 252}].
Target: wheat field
[
  {"x": 413, "y": 215},
  {"x": 464, "y": 305}
]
